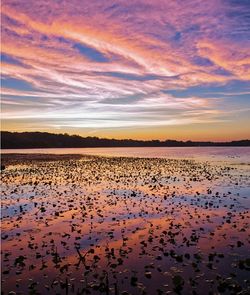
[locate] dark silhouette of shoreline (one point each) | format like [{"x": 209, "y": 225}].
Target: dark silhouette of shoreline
[{"x": 23, "y": 140}]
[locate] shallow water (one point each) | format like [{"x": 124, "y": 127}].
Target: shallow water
[
  {"x": 231, "y": 154},
  {"x": 141, "y": 226}
]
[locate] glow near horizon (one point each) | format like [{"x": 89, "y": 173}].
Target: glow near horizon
[{"x": 140, "y": 69}]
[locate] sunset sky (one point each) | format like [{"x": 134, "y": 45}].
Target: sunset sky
[{"x": 127, "y": 69}]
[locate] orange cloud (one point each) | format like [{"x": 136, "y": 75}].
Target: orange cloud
[
  {"x": 230, "y": 57},
  {"x": 147, "y": 50}
]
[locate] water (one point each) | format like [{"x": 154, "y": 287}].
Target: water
[
  {"x": 143, "y": 223},
  {"x": 228, "y": 154}
]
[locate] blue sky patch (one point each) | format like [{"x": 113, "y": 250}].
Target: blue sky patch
[
  {"x": 91, "y": 53},
  {"x": 16, "y": 84}
]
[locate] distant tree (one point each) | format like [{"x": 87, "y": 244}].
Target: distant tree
[{"x": 16, "y": 140}]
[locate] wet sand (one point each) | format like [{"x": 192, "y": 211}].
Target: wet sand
[{"x": 74, "y": 224}]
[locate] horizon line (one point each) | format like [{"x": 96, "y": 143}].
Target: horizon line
[{"x": 128, "y": 139}]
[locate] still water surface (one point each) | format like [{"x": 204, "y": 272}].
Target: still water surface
[
  {"x": 231, "y": 154},
  {"x": 141, "y": 225}
]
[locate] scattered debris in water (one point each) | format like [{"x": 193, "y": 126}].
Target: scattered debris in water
[{"x": 91, "y": 225}]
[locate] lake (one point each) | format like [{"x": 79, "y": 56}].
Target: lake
[
  {"x": 228, "y": 154},
  {"x": 122, "y": 225}
]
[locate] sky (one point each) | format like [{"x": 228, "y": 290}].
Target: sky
[{"x": 127, "y": 69}]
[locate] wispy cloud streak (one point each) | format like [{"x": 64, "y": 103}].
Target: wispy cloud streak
[{"x": 111, "y": 63}]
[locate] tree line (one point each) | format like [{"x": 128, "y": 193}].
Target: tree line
[{"x": 21, "y": 140}]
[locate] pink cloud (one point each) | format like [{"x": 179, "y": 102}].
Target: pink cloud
[{"x": 149, "y": 46}]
